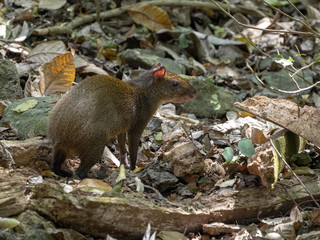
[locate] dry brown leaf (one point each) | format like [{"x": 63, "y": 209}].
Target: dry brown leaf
[
  {"x": 2, "y": 107},
  {"x": 150, "y": 16},
  {"x": 258, "y": 136},
  {"x": 315, "y": 216},
  {"x": 57, "y": 75}
]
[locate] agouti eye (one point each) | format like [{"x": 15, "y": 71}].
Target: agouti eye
[{"x": 175, "y": 84}]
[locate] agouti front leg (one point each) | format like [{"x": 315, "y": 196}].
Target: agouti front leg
[
  {"x": 133, "y": 142},
  {"x": 123, "y": 150}
]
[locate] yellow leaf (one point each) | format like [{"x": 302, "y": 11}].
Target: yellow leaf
[
  {"x": 92, "y": 185},
  {"x": 47, "y": 173},
  {"x": 8, "y": 223},
  {"x": 122, "y": 174},
  {"x": 150, "y": 16},
  {"x": 244, "y": 114},
  {"x": 26, "y": 106},
  {"x": 57, "y": 75}
]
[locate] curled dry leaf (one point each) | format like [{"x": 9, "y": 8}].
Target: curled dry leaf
[
  {"x": 57, "y": 75},
  {"x": 150, "y": 16},
  {"x": 45, "y": 52}
]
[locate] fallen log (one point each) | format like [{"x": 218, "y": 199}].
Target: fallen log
[{"x": 127, "y": 216}]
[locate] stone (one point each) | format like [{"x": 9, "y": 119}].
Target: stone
[
  {"x": 32, "y": 122},
  {"x": 201, "y": 106},
  {"x": 10, "y": 88}
]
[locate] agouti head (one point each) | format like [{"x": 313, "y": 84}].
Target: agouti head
[{"x": 166, "y": 86}]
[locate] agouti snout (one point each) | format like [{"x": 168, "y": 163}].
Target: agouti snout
[{"x": 102, "y": 107}]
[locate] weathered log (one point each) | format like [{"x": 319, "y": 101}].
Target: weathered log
[
  {"x": 14, "y": 193},
  {"x": 126, "y": 217}
]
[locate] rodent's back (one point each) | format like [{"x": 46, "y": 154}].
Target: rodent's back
[{"x": 91, "y": 110}]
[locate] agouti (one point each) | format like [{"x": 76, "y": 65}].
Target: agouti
[{"x": 102, "y": 107}]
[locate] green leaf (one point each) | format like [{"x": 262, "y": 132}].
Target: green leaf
[
  {"x": 246, "y": 147},
  {"x": 158, "y": 137},
  {"x": 278, "y": 57},
  {"x": 204, "y": 180},
  {"x": 318, "y": 59},
  {"x": 117, "y": 189},
  {"x": 215, "y": 102},
  {"x": 284, "y": 62},
  {"x": 26, "y": 106},
  {"x": 183, "y": 42},
  {"x": 122, "y": 174},
  {"x": 228, "y": 154}
]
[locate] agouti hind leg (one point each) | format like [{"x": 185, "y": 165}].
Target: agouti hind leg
[
  {"x": 89, "y": 158},
  {"x": 59, "y": 156}
]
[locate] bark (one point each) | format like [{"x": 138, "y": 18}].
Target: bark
[
  {"x": 304, "y": 121},
  {"x": 126, "y": 217}
]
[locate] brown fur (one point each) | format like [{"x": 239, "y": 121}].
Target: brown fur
[{"x": 102, "y": 107}]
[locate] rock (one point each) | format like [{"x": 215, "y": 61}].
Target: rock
[
  {"x": 160, "y": 179},
  {"x": 144, "y": 58},
  {"x": 29, "y": 152},
  {"x": 10, "y": 83},
  {"x": 282, "y": 81},
  {"x": 261, "y": 164},
  {"x": 187, "y": 161},
  {"x": 231, "y": 54},
  {"x": 38, "y": 234},
  {"x": 185, "y": 192},
  {"x": 201, "y": 105},
  {"x": 31, "y": 122},
  {"x": 6, "y": 159}
]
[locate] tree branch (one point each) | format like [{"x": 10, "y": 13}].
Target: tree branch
[
  {"x": 264, "y": 29},
  {"x": 83, "y": 19}
]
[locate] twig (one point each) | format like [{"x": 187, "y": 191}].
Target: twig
[
  {"x": 289, "y": 71},
  {"x": 303, "y": 68},
  {"x": 156, "y": 191},
  {"x": 263, "y": 29},
  {"x": 279, "y": 90},
  {"x": 160, "y": 196},
  {"x": 300, "y": 13},
  {"x": 80, "y": 20},
  {"x": 306, "y": 24},
  {"x": 288, "y": 166}
]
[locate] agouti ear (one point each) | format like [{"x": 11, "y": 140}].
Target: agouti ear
[
  {"x": 158, "y": 66},
  {"x": 159, "y": 74}
]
